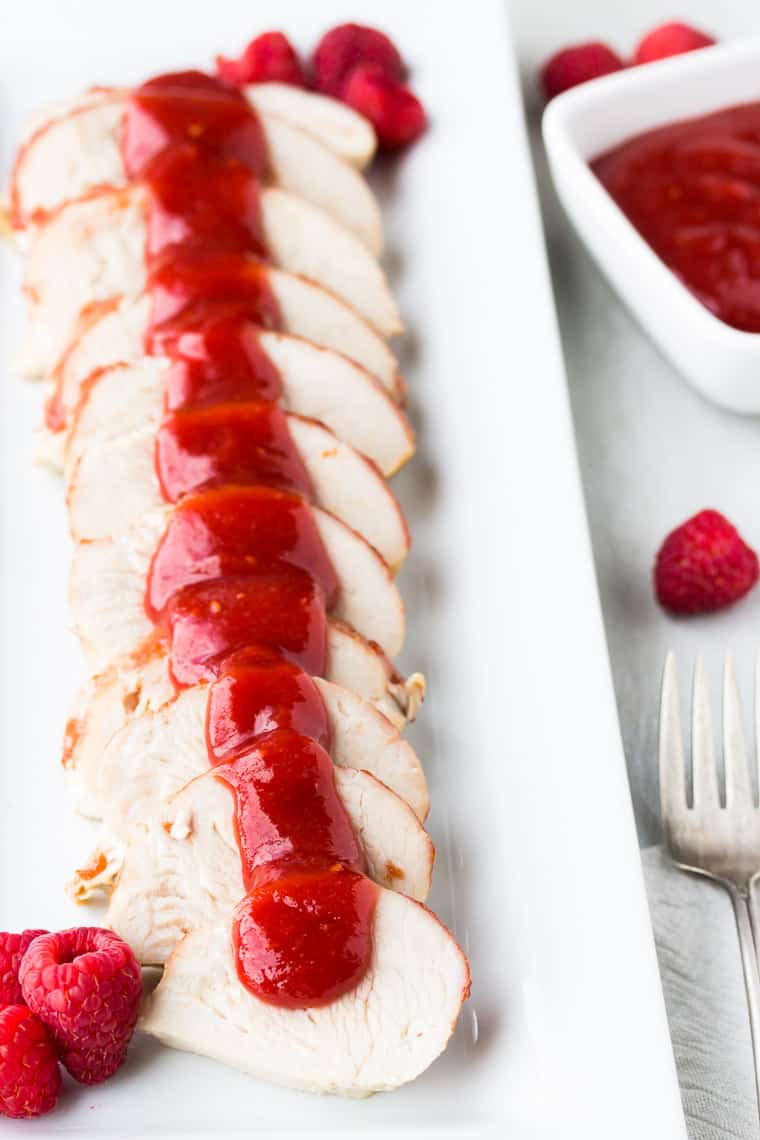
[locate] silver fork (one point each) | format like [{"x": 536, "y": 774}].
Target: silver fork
[{"x": 707, "y": 838}]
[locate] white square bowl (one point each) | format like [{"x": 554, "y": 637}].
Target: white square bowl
[{"x": 721, "y": 362}]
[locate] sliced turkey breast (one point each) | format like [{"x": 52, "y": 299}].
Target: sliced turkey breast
[
  {"x": 112, "y": 484},
  {"x": 360, "y": 683},
  {"x": 74, "y": 154},
  {"x": 303, "y": 165},
  {"x": 160, "y": 750},
  {"x": 356, "y": 672},
  {"x": 93, "y": 250},
  {"x": 69, "y": 150},
  {"x": 303, "y": 239},
  {"x": 384, "y": 1033},
  {"x": 181, "y": 867},
  {"x": 54, "y": 109},
  {"x": 78, "y": 338},
  {"x": 337, "y": 126},
  {"x": 317, "y": 384},
  {"x": 108, "y": 578}
]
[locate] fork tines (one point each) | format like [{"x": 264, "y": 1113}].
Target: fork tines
[{"x": 705, "y": 775}]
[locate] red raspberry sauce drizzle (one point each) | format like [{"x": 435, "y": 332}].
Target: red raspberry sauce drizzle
[
  {"x": 227, "y": 443},
  {"x": 240, "y": 582}
]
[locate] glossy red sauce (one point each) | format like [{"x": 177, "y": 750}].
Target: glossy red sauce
[
  {"x": 692, "y": 190},
  {"x": 189, "y": 286},
  {"x": 201, "y": 203},
  {"x": 287, "y": 808},
  {"x": 218, "y": 360},
  {"x": 227, "y": 443},
  {"x": 240, "y": 583},
  {"x": 251, "y": 531},
  {"x": 258, "y": 693},
  {"x": 305, "y": 939},
  {"x": 188, "y": 107},
  {"x": 207, "y": 623}
]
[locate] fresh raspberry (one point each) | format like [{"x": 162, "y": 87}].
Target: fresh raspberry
[
  {"x": 670, "y": 39},
  {"x": 574, "y": 65},
  {"x": 85, "y": 986},
  {"x": 12, "y": 950},
  {"x": 703, "y": 565},
  {"x": 270, "y": 58},
  {"x": 30, "y": 1079},
  {"x": 342, "y": 48},
  {"x": 394, "y": 111}
]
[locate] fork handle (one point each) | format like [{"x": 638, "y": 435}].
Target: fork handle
[
  {"x": 742, "y": 904},
  {"x": 754, "y": 913}
]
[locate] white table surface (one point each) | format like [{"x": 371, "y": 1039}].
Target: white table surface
[{"x": 652, "y": 452}]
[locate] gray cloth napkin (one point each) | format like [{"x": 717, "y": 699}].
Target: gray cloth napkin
[{"x": 698, "y": 953}]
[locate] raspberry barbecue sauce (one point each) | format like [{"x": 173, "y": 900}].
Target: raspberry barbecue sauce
[
  {"x": 692, "y": 190},
  {"x": 240, "y": 583},
  {"x": 184, "y": 107}
]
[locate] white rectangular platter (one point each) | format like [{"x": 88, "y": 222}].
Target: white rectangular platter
[{"x": 538, "y": 871}]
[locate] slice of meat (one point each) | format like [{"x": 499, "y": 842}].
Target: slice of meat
[
  {"x": 112, "y": 484},
  {"x": 346, "y": 133},
  {"x": 302, "y": 239},
  {"x": 317, "y": 383},
  {"x": 93, "y": 250},
  {"x": 181, "y": 866},
  {"x": 70, "y": 155},
  {"x": 69, "y": 150},
  {"x": 107, "y": 589},
  {"x": 113, "y": 330},
  {"x": 337, "y": 126},
  {"x": 157, "y": 752},
  {"x": 112, "y": 333},
  {"x": 54, "y": 109},
  {"x": 305, "y": 166},
  {"x": 106, "y": 257},
  {"x": 383, "y": 1034},
  {"x": 139, "y": 685}
]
